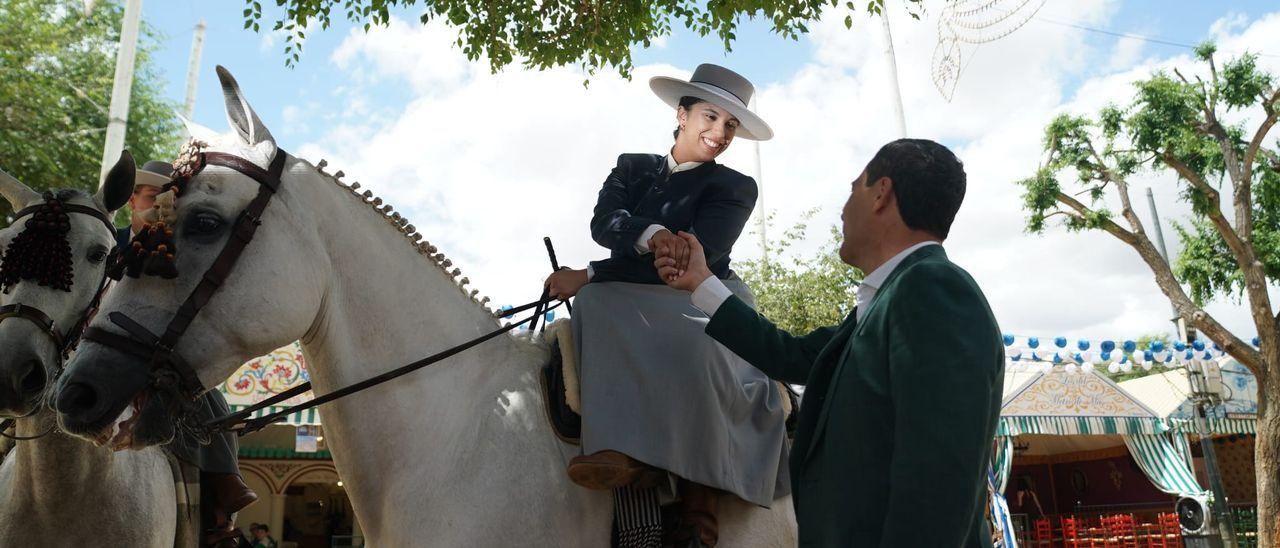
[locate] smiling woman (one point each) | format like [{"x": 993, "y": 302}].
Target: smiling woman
[{"x": 638, "y": 347}]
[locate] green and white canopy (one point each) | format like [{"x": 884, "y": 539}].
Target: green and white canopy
[{"x": 1072, "y": 403}]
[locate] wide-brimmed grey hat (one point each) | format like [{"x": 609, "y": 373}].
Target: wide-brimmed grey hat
[
  {"x": 721, "y": 87},
  {"x": 154, "y": 173}
]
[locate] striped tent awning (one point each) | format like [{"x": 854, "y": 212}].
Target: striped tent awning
[
  {"x": 1163, "y": 463},
  {"x": 1218, "y": 425},
  {"x": 301, "y": 418},
  {"x": 1068, "y": 426}
]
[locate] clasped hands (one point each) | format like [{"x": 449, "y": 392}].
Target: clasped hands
[{"x": 678, "y": 258}]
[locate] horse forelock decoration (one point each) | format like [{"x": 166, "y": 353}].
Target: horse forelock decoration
[
  {"x": 457, "y": 454},
  {"x": 41, "y": 253}
]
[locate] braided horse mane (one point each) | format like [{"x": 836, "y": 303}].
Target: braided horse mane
[
  {"x": 165, "y": 209},
  {"x": 409, "y": 232}
]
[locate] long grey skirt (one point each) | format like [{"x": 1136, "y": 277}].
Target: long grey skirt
[{"x": 658, "y": 389}]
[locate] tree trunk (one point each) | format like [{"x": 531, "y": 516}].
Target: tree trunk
[{"x": 1267, "y": 453}]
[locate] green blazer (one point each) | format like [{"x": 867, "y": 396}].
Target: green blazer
[{"x": 899, "y": 410}]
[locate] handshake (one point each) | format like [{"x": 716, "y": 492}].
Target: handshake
[{"x": 679, "y": 259}]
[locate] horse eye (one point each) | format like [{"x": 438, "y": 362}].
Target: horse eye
[
  {"x": 204, "y": 224},
  {"x": 97, "y": 254}
]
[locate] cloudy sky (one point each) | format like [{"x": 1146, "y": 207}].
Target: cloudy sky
[{"x": 487, "y": 164}]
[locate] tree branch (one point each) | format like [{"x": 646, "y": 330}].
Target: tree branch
[
  {"x": 1251, "y": 153},
  {"x": 1195, "y": 316}
]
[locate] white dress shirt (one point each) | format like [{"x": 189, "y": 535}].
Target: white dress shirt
[{"x": 712, "y": 292}]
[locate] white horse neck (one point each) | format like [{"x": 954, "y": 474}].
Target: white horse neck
[
  {"x": 387, "y": 304},
  {"x": 51, "y": 467},
  {"x": 62, "y": 491}
]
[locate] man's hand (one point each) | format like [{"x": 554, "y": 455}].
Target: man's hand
[
  {"x": 565, "y": 283},
  {"x": 665, "y": 244},
  {"x": 693, "y": 275}
]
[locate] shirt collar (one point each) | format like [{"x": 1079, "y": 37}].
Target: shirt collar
[
  {"x": 877, "y": 277},
  {"x": 673, "y": 167}
]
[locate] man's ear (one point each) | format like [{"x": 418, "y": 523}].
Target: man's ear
[{"x": 883, "y": 194}]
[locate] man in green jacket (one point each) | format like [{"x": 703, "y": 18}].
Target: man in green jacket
[{"x": 901, "y": 399}]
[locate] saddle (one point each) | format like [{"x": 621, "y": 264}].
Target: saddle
[{"x": 560, "y": 387}]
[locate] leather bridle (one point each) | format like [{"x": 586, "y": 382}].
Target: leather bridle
[
  {"x": 63, "y": 342},
  {"x": 169, "y": 372}
]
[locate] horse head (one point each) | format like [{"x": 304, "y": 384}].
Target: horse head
[
  {"x": 264, "y": 298},
  {"x": 55, "y": 254}
]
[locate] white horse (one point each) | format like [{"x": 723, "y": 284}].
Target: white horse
[
  {"x": 457, "y": 454},
  {"x": 58, "y": 490}
]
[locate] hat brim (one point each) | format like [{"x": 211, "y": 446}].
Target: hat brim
[
  {"x": 671, "y": 90},
  {"x": 142, "y": 177}
]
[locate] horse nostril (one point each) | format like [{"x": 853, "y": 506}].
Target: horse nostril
[
  {"x": 34, "y": 379},
  {"x": 77, "y": 398}
]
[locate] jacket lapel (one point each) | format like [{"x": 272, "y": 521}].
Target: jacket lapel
[{"x": 849, "y": 335}]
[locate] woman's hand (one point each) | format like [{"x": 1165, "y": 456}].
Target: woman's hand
[
  {"x": 689, "y": 278},
  {"x": 565, "y": 283},
  {"x": 664, "y": 244}
]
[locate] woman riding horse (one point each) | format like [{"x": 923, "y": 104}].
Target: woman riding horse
[{"x": 657, "y": 394}]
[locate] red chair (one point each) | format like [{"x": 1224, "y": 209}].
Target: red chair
[
  {"x": 1043, "y": 533},
  {"x": 1124, "y": 530},
  {"x": 1073, "y": 533},
  {"x": 1170, "y": 532}
]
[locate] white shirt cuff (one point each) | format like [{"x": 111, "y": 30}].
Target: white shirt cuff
[
  {"x": 709, "y": 295},
  {"x": 642, "y": 244},
  {"x": 591, "y": 272}
]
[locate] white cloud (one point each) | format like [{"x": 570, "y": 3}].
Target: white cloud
[{"x": 487, "y": 164}]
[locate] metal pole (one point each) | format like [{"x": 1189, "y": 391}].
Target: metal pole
[
  {"x": 193, "y": 69},
  {"x": 1155, "y": 225},
  {"x": 892, "y": 61},
  {"x": 763, "y": 215},
  {"x": 1199, "y": 391},
  {"x": 118, "y": 112}
]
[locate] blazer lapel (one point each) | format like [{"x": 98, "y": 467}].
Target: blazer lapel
[{"x": 848, "y": 335}]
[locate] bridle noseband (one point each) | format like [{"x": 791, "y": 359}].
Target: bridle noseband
[{"x": 169, "y": 372}]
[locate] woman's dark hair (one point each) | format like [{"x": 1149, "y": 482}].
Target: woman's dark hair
[
  {"x": 928, "y": 181},
  {"x": 686, "y": 102}
]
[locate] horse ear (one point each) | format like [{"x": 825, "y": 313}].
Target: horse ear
[
  {"x": 196, "y": 131},
  {"x": 239, "y": 113},
  {"x": 118, "y": 186},
  {"x": 18, "y": 194}
]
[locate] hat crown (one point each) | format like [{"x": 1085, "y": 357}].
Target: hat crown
[
  {"x": 158, "y": 167},
  {"x": 725, "y": 79}
]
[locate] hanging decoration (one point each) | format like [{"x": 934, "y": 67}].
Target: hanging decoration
[{"x": 1043, "y": 354}]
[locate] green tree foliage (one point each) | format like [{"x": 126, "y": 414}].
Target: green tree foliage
[
  {"x": 798, "y": 293},
  {"x": 1207, "y": 134},
  {"x": 551, "y": 33},
  {"x": 56, "y": 71}
]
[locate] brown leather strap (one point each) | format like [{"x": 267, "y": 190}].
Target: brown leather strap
[
  {"x": 69, "y": 208},
  {"x": 269, "y": 178},
  {"x": 34, "y": 315},
  {"x": 159, "y": 352}
]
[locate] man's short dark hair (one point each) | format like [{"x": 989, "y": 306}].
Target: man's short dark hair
[
  {"x": 928, "y": 182},
  {"x": 264, "y": 528}
]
